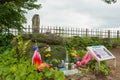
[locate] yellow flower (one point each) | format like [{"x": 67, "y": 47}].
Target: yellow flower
[
  {"x": 47, "y": 50},
  {"x": 48, "y": 55},
  {"x": 73, "y": 54}
]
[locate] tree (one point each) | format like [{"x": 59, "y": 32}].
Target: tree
[
  {"x": 12, "y": 13},
  {"x": 110, "y": 1}
]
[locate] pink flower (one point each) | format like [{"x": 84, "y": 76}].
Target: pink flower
[{"x": 85, "y": 59}]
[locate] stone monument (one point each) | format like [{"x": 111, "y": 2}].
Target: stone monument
[{"x": 35, "y": 23}]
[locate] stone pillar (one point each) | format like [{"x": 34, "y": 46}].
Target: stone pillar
[{"x": 35, "y": 23}]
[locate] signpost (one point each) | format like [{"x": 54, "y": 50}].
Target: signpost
[{"x": 100, "y": 53}]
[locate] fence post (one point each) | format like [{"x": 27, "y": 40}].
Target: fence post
[
  {"x": 109, "y": 34},
  {"x": 70, "y": 31},
  {"x": 118, "y": 34},
  {"x": 59, "y": 29},
  {"x": 86, "y": 32},
  {"x": 41, "y": 29},
  {"x": 28, "y": 29}
]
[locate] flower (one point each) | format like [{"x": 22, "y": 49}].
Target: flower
[
  {"x": 48, "y": 55},
  {"x": 41, "y": 66},
  {"x": 48, "y": 49},
  {"x": 73, "y": 54},
  {"x": 48, "y": 52}
]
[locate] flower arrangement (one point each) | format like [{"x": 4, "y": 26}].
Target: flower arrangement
[
  {"x": 72, "y": 56},
  {"x": 47, "y": 53},
  {"x": 73, "y": 52}
]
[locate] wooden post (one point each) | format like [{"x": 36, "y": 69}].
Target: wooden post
[
  {"x": 29, "y": 29},
  {"x": 59, "y": 29},
  {"x": 41, "y": 29},
  {"x": 118, "y": 34},
  {"x": 86, "y": 32},
  {"x": 108, "y": 35},
  {"x": 68, "y": 32},
  {"x": 62, "y": 31},
  {"x": 77, "y": 32},
  {"x": 71, "y": 31},
  {"x": 54, "y": 30}
]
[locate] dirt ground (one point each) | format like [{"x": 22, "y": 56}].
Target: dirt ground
[{"x": 116, "y": 74}]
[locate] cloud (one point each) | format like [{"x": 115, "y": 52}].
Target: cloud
[{"x": 77, "y": 13}]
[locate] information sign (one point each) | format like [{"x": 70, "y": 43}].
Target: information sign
[{"x": 100, "y": 52}]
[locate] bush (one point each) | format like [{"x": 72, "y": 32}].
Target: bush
[
  {"x": 13, "y": 69},
  {"x": 115, "y": 42},
  {"x": 15, "y": 66},
  {"x": 5, "y": 40},
  {"x": 82, "y": 42},
  {"x": 48, "y": 38},
  {"x": 102, "y": 69},
  {"x": 58, "y": 52},
  {"x": 26, "y": 36}
]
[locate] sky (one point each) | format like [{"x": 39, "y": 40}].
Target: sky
[{"x": 77, "y": 13}]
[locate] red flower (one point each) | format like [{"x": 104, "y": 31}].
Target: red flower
[{"x": 41, "y": 67}]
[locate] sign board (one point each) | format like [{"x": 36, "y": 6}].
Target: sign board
[{"x": 100, "y": 53}]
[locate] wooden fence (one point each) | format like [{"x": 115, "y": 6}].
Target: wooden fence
[{"x": 69, "y": 31}]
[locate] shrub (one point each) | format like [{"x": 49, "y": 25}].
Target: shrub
[
  {"x": 20, "y": 47},
  {"x": 58, "y": 52},
  {"x": 26, "y": 36},
  {"x": 13, "y": 69},
  {"x": 102, "y": 69},
  {"x": 48, "y": 38},
  {"x": 115, "y": 42},
  {"x": 5, "y": 40},
  {"x": 15, "y": 66},
  {"x": 82, "y": 42}
]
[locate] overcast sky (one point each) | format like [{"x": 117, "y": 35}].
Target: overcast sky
[{"x": 77, "y": 13}]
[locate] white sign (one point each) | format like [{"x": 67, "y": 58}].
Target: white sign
[{"x": 100, "y": 52}]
